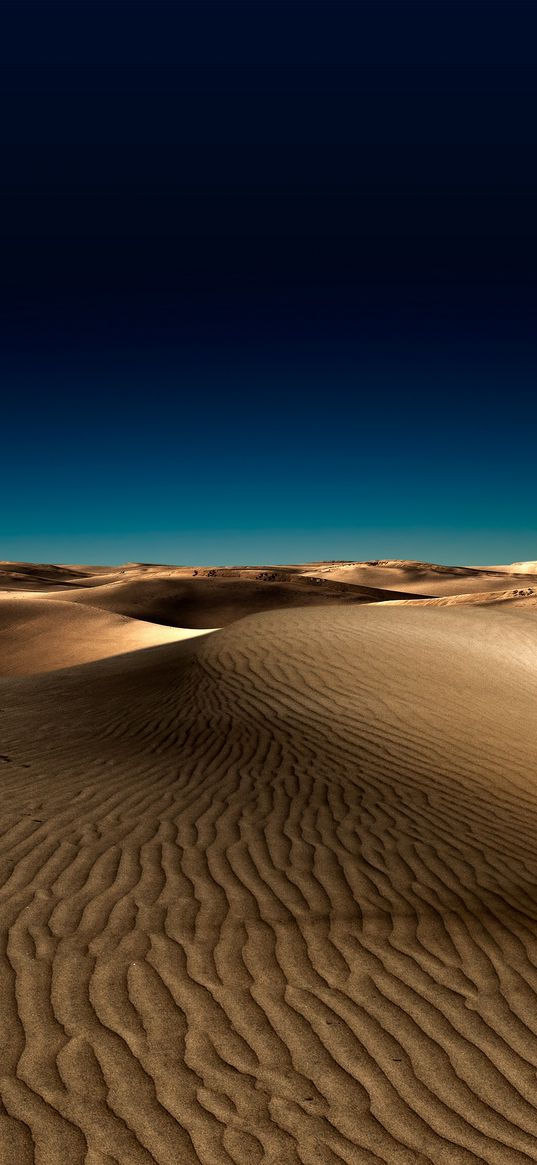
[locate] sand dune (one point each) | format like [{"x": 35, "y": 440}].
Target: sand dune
[
  {"x": 188, "y": 597},
  {"x": 520, "y": 568},
  {"x": 32, "y": 576},
  {"x": 428, "y": 579},
  {"x": 214, "y": 596},
  {"x": 38, "y": 635},
  {"x": 517, "y": 597},
  {"x": 269, "y": 895},
  {"x": 203, "y": 602}
]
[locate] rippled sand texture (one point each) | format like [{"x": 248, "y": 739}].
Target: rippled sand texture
[{"x": 270, "y": 895}]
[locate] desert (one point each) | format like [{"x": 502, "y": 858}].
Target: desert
[
  {"x": 268, "y": 864},
  {"x": 268, "y": 582}
]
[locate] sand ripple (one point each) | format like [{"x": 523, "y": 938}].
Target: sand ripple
[{"x": 270, "y": 896}]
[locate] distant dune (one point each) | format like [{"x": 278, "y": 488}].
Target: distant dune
[
  {"x": 21, "y": 576},
  {"x": 426, "y": 578},
  {"x": 517, "y": 597},
  {"x": 269, "y": 894},
  {"x": 215, "y": 601},
  {"x": 206, "y": 597},
  {"x": 520, "y": 568}
]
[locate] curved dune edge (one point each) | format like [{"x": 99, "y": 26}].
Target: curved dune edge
[
  {"x": 37, "y": 635},
  {"x": 270, "y": 896},
  {"x": 428, "y": 579},
  {"x": 516, "y": 597}
]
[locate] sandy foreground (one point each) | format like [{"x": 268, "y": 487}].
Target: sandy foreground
[{"x": 268, "y": 893}]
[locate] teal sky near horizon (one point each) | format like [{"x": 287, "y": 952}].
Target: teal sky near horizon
[
  {"x": 268, "y": 285},
  {"x": 259, "y": 463}
]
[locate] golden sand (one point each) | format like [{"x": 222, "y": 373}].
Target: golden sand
[{"x": 269, "y": 894}]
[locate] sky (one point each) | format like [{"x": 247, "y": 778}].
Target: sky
[{"x": 268, "y": 281}]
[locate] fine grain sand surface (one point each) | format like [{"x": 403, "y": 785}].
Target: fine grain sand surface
[{"x": 269, "y": 893}]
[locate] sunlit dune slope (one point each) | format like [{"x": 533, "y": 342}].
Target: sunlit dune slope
[
  {"x": 38, "y": 635},
  {"x": 520, "y": 568},
  {"x": 270, "y": 895},
  {"x": 521, "y": 596},
  {"x": 425, "y": 578}
]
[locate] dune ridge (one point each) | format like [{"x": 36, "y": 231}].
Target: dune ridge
[{"x": 268, "y": 895}]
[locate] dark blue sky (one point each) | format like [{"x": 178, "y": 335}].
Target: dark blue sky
[{"x": 267, "y": 281}]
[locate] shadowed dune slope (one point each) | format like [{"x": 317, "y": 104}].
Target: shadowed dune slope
[
  {"x": 216, "y": 601},
  {"x": 269, "y": 896},
  {"x": 37, "y": 635}
]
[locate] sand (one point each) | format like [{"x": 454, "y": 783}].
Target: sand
[
  {"x": 38, "y": 635},
  {"x": 268, "y": 894},
  {"x": 515, "y": 597},
  {"x": 428, "y": 579}
]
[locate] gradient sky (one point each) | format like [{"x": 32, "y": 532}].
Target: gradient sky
[{"x": 268, "y": 281}]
